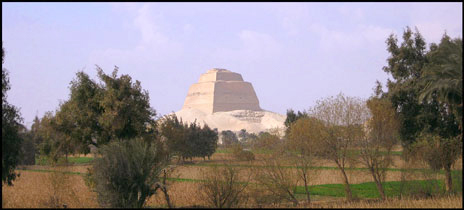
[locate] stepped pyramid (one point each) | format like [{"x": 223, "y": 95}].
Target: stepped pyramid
[
  {"x": 220, "y": 90},
  {"x": 223, "y": 100}
]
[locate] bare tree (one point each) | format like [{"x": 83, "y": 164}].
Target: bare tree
[
  {"x": 279, "y": 182},
  {"x": 302, "y": 146},
  {"x": 381, "y": 134},
  {"x": 343, "y": 118},
  {"x": 222, "y": 187}
]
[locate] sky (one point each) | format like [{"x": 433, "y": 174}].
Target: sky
[{"x": 293, "y": 53}]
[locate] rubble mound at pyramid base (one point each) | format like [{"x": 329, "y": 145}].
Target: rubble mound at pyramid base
[{"x": 252, "y": 121}]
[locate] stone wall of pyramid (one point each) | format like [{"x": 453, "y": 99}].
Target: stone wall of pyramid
[{"x": 220, "y": 90}]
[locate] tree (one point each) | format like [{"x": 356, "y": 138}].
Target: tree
[
  {"x": 126, "y": 107},
  {"x": 27, "y": 147},
  {"x": 381, "y": 134},
  {"x": 442, "y": 76},
  {"x": 276, "y": 183},
  {"x": 292, "y": 117},
  {"x": 242, "y": 135},
  {"x": 85, "y": 110},
  {"x": 228, "y": 138},
  {"x": 302, "y": 142},
  {"x": 425, "y": 93},
  {"x": 439, "y": 153},
  {"x": 11, "y": 139},
  {"x": 127, "y": 173},
  {"x": 96, "y": 114},
  {"x": 405, "y": 65},
  {"x": 208, "y": 141},
  {"x": 267, "y": 141},
  {"x": 188, "y": 140},
  {"x": 222, "y": 187},
  {"x": 343, "y": 118}
]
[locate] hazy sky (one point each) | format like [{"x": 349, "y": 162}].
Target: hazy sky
[{"x": 292, "y": 53}]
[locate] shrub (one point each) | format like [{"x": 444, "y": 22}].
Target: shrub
[
  {"x": 275, "y": 183},
  {"x": 222, "y": 188},
  {"x": 127, "y": 173},
  {"x": 27, "y": 150},
  {"x": 240, "y": 154}
]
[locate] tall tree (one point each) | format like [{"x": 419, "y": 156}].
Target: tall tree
[
  {"x": 343, "y": 117},
  {"x": 405, "y": 66},
  {"x": 426, "y": 91},
  {"x": 96, "y": 114},
  {"x": 442, "y": 75},
  {"x": 293, "y": 117},
  {"x": 11, "y": 140},
  {"x": 126, "y": 107},
  {"x": 302, "y": 142},
  {"x": 381, "y": 134},
  {"x": 228, "y": 138}
]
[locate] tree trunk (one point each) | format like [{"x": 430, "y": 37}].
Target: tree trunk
[
  {"x": 349, "y": 195},
  {"x": 165, "y": 190},
  {"x": 305, "y": 179},
  {"x": 66, "y": 157},
  {"x": 379, "y": 185},
  {"x": 449, "y": 180}
]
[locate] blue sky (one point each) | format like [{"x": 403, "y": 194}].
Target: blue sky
[{"x": 292, "y": 53}]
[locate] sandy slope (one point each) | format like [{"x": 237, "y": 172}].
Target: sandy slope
[{"x": 252, "y": 121}]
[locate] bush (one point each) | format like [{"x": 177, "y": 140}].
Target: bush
[
  {"x": 127, "y": 173},
  {"x": 27, "y": 151},
  {"x": 242, "y": 155},
  {"x": 222, "y": 188},
  {"x": 275, "y": 183}
]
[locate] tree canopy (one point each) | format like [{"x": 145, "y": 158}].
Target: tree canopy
[{"x": 11, "y": 139}]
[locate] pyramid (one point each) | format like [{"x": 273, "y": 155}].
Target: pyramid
[
  {"x": 223, "y": 100},
  {"x": 220, "y": 90}
]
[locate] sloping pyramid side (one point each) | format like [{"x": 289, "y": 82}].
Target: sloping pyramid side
[{"x": 221, "y": 90}]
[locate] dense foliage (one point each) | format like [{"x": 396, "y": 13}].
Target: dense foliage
[
  {"x": 11, "y": 139},
  {"x": 188, "y": 140},
  {"x": 426, "y": 92},
  {"x": 127, "y": 173}
]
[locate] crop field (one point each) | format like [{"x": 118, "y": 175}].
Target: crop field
[{"x": 42, "y": 185}]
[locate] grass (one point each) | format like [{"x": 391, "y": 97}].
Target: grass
[
  {"x": 369, "y": 189},
  {"x": 32, "y": 190},
  {"x": 362, "y": 190},
  {"x": 73, "y": 160},
  {"x": 317, "y": 167}
]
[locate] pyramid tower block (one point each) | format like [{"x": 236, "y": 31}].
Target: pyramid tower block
[{"x": 220, "y": 90}]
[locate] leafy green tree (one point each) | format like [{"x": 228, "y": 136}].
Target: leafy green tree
[
  {"x": 174, "y": 134},
  {"x": 96, "y": 114},
  {"x": 426, "y": 92},
  {"x": 11, "y": 139},
  {"x": 407, "y": 64},
  {"x": 442, "y": 75},
  {"x": 54, "y": 143},
  {"x": 126, "y": 107},
  {"x": 128, "y": 172},
  {"x": 228, "y": 138},
  {"x": 208, "y": 141},
  {"x": 187, "y": 140},
  {"x": 28, "y": 148},
  {"x": 293, "y": 117},
  {"x": 84, "y": 111}
]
